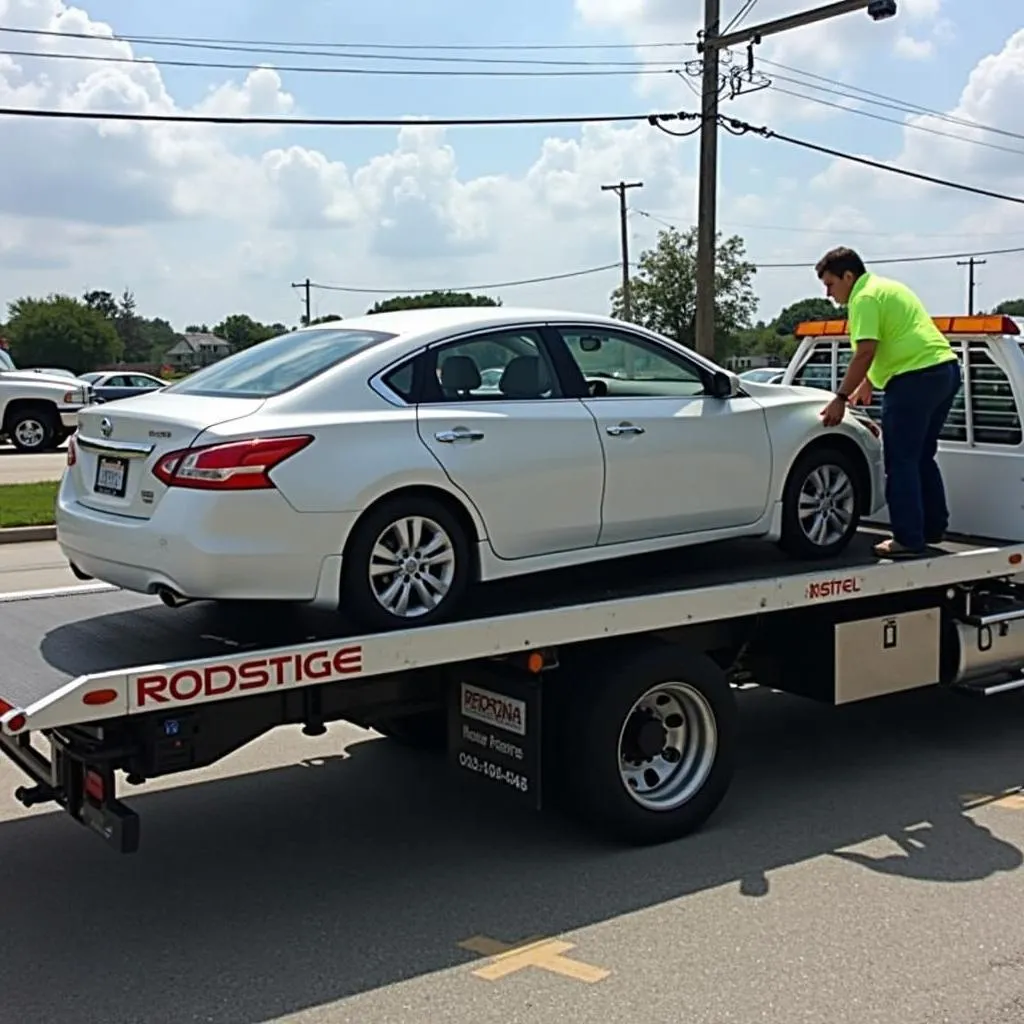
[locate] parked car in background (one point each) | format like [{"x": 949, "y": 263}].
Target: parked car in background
[
  {"x": 366, "y": 465},
  {"x": 764, "y": 374},
  {"x": 110, "y": 385}
]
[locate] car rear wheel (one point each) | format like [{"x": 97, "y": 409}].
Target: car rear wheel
[
  {"x": 408, "y": 564},
  {"x": 822, "y": 504}
]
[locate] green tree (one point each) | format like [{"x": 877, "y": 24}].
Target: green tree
[
  {"x": 805, "y": 310},
  {"x": 664, "y": 292},
  {"x": 328, "y": 319},
  {"x": 102, "y": 301},
  {"x": 430, "y": 300},
  {"x": 61, "y": 331},
  {"x": 1011, "y": 307},
  {"x": 241, "y": 331}
]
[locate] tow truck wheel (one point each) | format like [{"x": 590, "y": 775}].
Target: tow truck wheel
[
  {"x": 408, "y": 564},
  {"x": 651, "y": 745},
  {"x": 821, "y": 504}
]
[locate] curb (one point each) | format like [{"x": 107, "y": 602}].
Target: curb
[{"x": 20, "y": 534}]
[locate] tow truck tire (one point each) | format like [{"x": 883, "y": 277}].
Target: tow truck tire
[
  {"x": 644, "y": 698},
  {"x": 827, "y": 463},
  {"x": 358, "y": 599}
]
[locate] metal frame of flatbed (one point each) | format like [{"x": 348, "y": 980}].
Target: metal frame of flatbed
[{"x": 187, "y": 684}]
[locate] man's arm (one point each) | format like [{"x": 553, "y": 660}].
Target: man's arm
[{"x": 857, "y": 371}]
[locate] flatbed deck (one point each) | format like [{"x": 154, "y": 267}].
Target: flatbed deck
[
  {"x": 118, "y": 683},
  {"x": 48, "y": 641}
]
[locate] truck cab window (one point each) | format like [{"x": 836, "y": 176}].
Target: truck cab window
[{"x": 995, "y": 417}]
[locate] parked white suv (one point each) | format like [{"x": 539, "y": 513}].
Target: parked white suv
[{"x": 38, "y": 410}]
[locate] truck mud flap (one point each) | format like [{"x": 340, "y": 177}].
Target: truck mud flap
[
  {"x": 85, "y": 791},
  {"x": 494, "y": 731}
]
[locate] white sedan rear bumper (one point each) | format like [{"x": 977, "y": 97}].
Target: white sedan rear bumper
[{"x": 244, "y": 546}]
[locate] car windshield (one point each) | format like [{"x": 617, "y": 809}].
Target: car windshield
[{"x": 272, "y": 367}]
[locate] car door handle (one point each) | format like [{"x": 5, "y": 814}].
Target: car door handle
[
  {"x": 625, "y": 428},
  {"x": 451, "y": 436}
]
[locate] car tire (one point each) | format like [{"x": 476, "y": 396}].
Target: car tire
[
  {"x": 632, "y": 795},
  {"x": 361, "y": 600},
  {"x": 830, "y": 474},
  {"x": 33, "y": 430}
]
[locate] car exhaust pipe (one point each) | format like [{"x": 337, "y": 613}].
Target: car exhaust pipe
[
  {"x": 172, "y": 598},
  {"x": 78, "y": 572}
]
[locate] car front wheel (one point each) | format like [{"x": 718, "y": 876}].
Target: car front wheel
[
  {"x": 408, "y": 564},
  {"x": 821, "y": 504}
]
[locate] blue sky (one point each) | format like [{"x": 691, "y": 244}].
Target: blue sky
[{"x": 545, "y": 213}]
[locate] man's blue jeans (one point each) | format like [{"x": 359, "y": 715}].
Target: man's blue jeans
[{"x": 914, "y": 409}]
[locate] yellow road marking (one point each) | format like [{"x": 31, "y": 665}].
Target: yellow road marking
[{"x": 545, "y": 954}]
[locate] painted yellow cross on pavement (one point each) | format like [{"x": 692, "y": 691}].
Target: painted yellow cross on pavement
[{"x": 545, "y": 954}]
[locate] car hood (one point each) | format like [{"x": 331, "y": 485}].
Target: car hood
[{"x": 30, "y": 377}]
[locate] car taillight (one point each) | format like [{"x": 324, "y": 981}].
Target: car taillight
[{"x": 233, "y": 466}]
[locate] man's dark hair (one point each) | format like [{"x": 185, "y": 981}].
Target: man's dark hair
[{"x": 838, "y": 261}]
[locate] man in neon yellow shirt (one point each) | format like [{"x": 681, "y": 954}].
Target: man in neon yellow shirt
[{"x": 899, "y": 350}]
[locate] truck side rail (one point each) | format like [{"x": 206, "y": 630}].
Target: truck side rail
[{"x": 175, "y": 685}]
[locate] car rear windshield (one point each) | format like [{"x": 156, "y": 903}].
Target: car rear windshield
[{"x": 272, "y": 367}]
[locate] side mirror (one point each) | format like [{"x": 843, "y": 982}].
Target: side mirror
[{"x": 724, "y": 385}]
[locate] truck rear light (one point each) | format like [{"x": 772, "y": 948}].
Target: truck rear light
[
  {"x": 93, "y": 785},
  {"x": 16, "y": 722},
  {"x": 232, "y": 466}
]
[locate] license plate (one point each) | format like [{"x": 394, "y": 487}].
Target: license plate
[{"x": 111, "y": 476}]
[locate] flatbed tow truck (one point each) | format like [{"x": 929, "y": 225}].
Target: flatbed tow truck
[{"x": 616, "y": 699}]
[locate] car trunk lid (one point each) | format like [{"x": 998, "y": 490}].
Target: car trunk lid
[{"x": 119, "y": 443}]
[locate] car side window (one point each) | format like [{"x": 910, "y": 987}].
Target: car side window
[
  {"x": 496, "y": 366},
  {"x": 620, "y": 365}
]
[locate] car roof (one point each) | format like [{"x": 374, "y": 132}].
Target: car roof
[{"x": 440, "y": 318}]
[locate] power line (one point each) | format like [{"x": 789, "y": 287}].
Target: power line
[
  {"x": 740, "y": 15},
  {"x": 409, "y": 121},
  {"x": 734, "y": 125},
  {"x": 929, "y": 258},
  {"x": 738, "y": 127},
  {"x": 317, "y": 50},
  {"x": 920, "y": 258},
  {"x": 203, "y": 41},
  {"x": 466, "y": 287},
  {"x": 889, "y": 101},
  {"x": 594, "y": 71},
  {"x": 893, "y": 120}
]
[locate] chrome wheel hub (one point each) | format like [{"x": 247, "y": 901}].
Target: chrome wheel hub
[
  {"x": 412, "y": 566},
  {"x": 667, "y": 746},
  {"x": 826, "y": 505},
  {"x": 30, "y": 432}
]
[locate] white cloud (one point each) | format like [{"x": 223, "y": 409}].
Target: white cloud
[{"x": 202, "y": 220}]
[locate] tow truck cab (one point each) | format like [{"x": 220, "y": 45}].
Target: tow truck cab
[{"x": 981, "y": 450}]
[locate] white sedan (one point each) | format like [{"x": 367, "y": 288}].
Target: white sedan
[{"x": 383, "y": 465}]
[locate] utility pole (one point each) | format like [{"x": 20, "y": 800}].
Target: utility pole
[
  {"x": 970, "y": 264},
  {"x": 620, "y": 188},
  {"x": 306, "y": 285},
  {"x": 710, "y": 46},
  {"x": 707, "y": 200}
]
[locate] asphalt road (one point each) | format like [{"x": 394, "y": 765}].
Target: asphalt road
[
  {"x": 18, "y": 468},
  {"x": 338, "y": 879}
]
